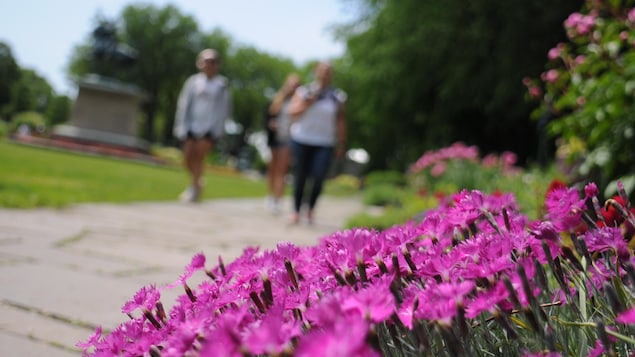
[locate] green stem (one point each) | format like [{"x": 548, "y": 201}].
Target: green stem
[{"x": 594, "y": 325}]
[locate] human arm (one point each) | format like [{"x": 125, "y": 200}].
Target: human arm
[
  {"x": 179, "y": 129},
  {"x": 341, "y": 131}
]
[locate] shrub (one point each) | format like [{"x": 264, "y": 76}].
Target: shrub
[
  {"x": 587, "y": 89},
  {"x": 4, "y": 130},
  {"x": 342, "y": 185},
  {"x": 34, "y": 121},
  {"x": 460, "y": 167},
  {"x": 394, "y": 178},
  {"x": 383, "y": 195}
]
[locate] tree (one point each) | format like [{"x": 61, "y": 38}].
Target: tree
[
  {"x": 10, "y": 74},
  {"x": 424, "y": 74},
  {"x": 166, "y": 42},
  {"x": 30, "y": 93},
  {"x": 58, "y": 110}
]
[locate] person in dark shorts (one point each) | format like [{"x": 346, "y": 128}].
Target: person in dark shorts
[
  {"x": 277, "y": 122},
  {"x": 203, "y": 106}
]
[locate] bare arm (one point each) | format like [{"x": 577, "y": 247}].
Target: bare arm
[{"x": 341, "y": 131}]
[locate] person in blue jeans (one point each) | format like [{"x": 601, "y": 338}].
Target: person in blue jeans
[{"x": 318, "y": 132}]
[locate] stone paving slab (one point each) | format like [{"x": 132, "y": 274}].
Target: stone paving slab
[{"x": 65, "y": 271}]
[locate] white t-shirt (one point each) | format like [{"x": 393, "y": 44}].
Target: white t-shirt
[
  {"x": 317, "y": 125},
  {"x": 204, "y": 105}
]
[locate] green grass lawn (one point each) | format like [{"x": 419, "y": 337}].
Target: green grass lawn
[{"x": 32, "y": 177}]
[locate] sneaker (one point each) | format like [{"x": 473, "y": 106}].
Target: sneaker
[
  {"x": 191, "y": 194},
  {"x": 277, "y": 207}
]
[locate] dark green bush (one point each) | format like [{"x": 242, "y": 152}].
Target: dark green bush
[
  {"x": 383, "y": 195},
  {"x": 394, "y": 178}
]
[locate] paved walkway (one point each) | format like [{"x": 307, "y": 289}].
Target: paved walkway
[{"x": 63, "y": 272}]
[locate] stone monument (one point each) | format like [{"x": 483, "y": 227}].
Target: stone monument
[{"x": 106, "y": 110}]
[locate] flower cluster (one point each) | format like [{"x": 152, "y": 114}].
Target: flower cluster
[
  {"x": 437, "y": 161},
  {"x": 474, "y": 275}
]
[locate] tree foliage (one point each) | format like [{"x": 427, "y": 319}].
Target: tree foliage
[
  {"x": 589, "y": 82},
  {"x": 425, "y": 74},
  {"x": 10, "y": 74}
]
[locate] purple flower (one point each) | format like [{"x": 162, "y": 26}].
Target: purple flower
[
  {"x": 375, "y": 302},
  {"x": 144, "y": 299},
  {"x": 607, "y": 238},
  {"x": 329, "y": 342},
  {"x": 627, "y": 317},
  {"x": 564, "y": 208},
  {"x": 271, "y": 335},
  {"x": 197, "y": 263},
  {"x": 591, "y": 190},
  {"x": 486, "y": 300},
  {"x": 92, "y": 340}
]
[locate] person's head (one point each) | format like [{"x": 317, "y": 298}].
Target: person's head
[
  {"x": 323, "y": 73},
  {"x": 207, "y": 62}
]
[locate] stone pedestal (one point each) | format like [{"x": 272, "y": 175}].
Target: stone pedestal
[{"x": 106, "y": 111}]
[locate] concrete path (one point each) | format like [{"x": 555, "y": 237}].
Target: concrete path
[{"x": 63, "y": 272}]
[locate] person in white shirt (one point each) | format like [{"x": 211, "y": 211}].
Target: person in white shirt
[
  {"x": 318, "y": 131},
  {"x": 203, "y": 106}
]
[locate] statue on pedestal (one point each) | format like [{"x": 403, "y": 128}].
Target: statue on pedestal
[{"x": 106, "y": 110}]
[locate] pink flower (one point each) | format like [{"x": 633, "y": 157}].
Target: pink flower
[
  {"x": 554, "y": 53},
  {"x": 92, "y": 340},
  {"x": 272, "y": 334},
  {"x": 197, "y": 263},
  {"x": 438, "y": 169},
  {"x": 550, "y": 76},
  {"x": 579, "y": 24},
  {"x": 591, "y": 190},
  {"x": 579, "y": 59},
  {"x": 375, "y": 303},
  {"x": 607, "y": 238},
  {"x": 535, "y": 92},
  {"x": 564, "y": 208},
  {"x": 631, "y": 15},
  {"x": 626, "y": 317},
  {"x": 144, "y": 299}
]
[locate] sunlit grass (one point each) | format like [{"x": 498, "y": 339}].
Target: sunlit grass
[{"x": 32, "y": 177}]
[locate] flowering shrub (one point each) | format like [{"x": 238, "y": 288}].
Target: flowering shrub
[
  {"x": 474, "y": 277},
  {"x": 588, "y": 86},
  {"x": 458, "y": 167}
]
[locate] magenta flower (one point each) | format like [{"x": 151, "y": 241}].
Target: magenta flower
[
  {"x": 591, "y": 190},
  {"x": 550, "y": 76},
  {"x": 607, "y": 239},
  {"x": 144, "y": 299},
  {"x": 197, "y": 263},
  {"x": 486, "y": 300},
  {"x": 564, "y": 208},
  {"x": 272, "y": 334},
  {"x": 329, "y": 342},
  {"x": 375, "y": 302},
  {"x": 627, "y": 317},
  {"x": 91, "y": 341}
]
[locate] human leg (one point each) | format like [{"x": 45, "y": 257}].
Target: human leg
[
  {"x": 271, "y": 174},
  {"x": 281, "y": 168},
  {"x": 319, "y": 169},
  {"x": 300, "y": 155},
  {"x": 194, "y": 151}
]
